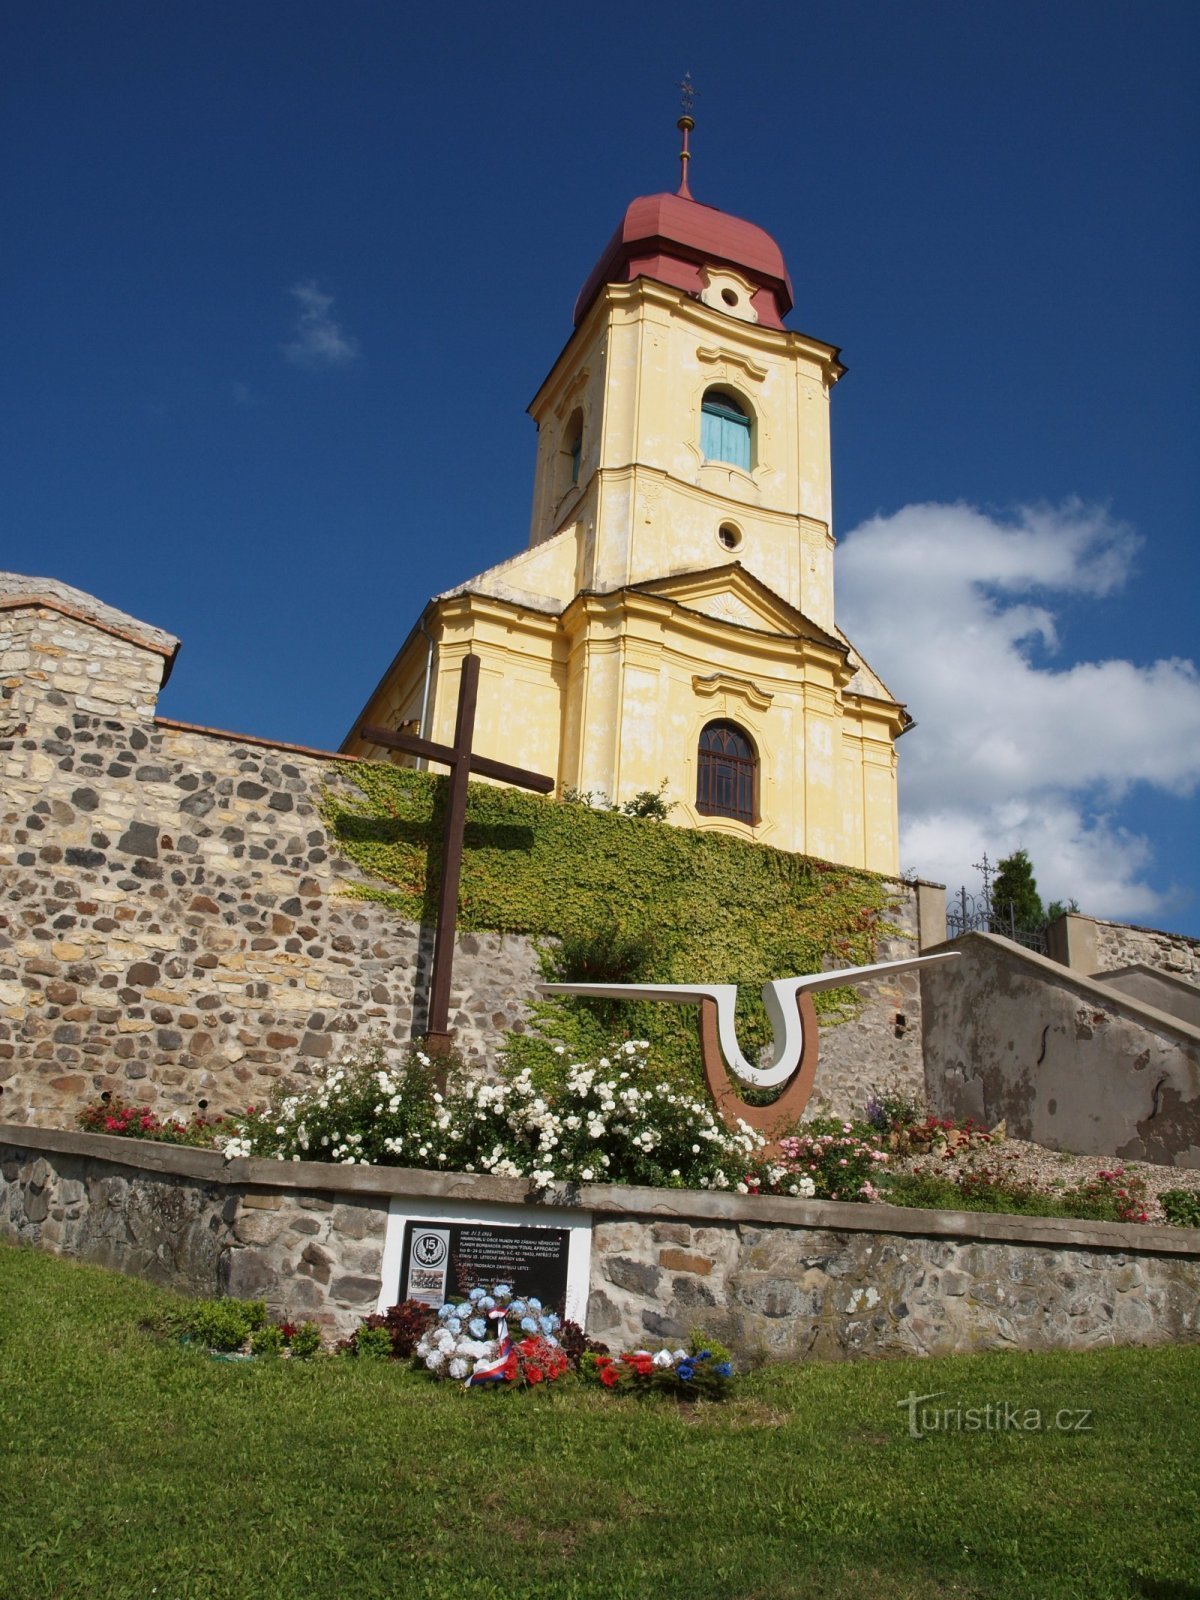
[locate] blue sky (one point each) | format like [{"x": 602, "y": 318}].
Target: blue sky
[{"x": 280, "y": 280}]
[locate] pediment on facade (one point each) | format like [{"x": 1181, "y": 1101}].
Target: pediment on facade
[{"x": 731, "y": 594}]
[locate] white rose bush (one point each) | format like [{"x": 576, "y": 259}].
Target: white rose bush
[{"x": 615, "y": 1121}]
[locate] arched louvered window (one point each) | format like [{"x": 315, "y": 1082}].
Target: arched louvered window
[
  {"x": 727, "y": 777},
  {"x": 724, "y": 429},
  {"x": 570, "y": 454}
]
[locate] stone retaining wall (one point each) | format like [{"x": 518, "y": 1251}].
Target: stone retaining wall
[
  {"x": 1120, "y": 945},
  {"x": 774, "y": 1277}
]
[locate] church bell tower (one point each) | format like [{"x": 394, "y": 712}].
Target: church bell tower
[
  {"x": 672, "y": 616},
  {"x": 684, "y": 425}
]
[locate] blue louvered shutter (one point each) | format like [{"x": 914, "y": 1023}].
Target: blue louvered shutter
[{"x": 724, "y": 430}]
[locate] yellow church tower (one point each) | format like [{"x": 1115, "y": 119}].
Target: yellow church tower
[{"x": 673, "y": 615}]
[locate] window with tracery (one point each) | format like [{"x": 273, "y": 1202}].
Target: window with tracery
[{"x": 727, "y": 773}]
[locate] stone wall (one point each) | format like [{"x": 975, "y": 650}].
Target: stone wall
[
  {"x": 1064, "y": 1060},
  {"x": 784, "y": 1279},
  {"x": 1119, "y": 945},
  {"x": 175, "y": 927},
  {"x": 881, "y": 1044}
]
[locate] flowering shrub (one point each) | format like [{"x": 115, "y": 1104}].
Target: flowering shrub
[
  {"x": 139, "y": 1122},
  {"x": 835, "y": 1161},
  {"x": 615, "y": 1122},
  {"x": 611, "y": 1123},
  {"x": 472, "y": 1343},
  {"x": 362, "y": 1111},
  {"x": 892, "y": 1109},
  {"x": 684, "y": 1373},
  {"x": 1111, "y": 1196}
]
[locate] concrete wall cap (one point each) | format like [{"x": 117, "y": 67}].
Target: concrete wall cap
[{"x": 601, "y": 1199}]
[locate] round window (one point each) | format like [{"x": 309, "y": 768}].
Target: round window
[
  {"x": 729, "y": 296},
  {"x": 729, "y": 536}
]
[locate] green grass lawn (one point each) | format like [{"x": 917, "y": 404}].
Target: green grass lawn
[{"x": 134, "y": 1467}]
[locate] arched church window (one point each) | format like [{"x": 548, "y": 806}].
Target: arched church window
[
  {"x": 727, "y": 773},
  {"x": 725, "y": 429}
]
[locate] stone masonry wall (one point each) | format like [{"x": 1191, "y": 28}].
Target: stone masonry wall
[
  {"x": 881, "y": 1045},
  {"x": 776, "y": 1278},
  {"x": 1119, "y": 945},
  {"x": 44, "y": 653},
  {"x": 174, "y": 924}
]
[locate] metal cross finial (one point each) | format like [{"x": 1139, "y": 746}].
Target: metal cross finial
[
  {"x": 685, "y": 126},
  {"x": 985, "y": 869}
]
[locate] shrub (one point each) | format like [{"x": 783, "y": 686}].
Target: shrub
[
  {"x": 404, "y": 1324},
  {"x": 839, "y": 1163},
  {"x": 267, "y": 1340},
  {"x": 115, "y": 1116},
  {"x": 1111, "y": 1196},
  {"x": 362, "y": 1111},
  {"x": 576, "y": 1344},
  {"x": 372, "y": 1344},
  {"x": 892, "y": 1109},
  {"x": 616, "y": 1122},
  {"x": 224, "y": 1324},
  {"x": 305, "y": 1341},
  {"x": 1181, "y": 1207}
]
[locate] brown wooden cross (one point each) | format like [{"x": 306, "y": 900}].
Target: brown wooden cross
[{"x": 462, "y": 763}]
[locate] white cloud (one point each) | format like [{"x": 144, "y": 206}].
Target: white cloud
[
  {"x": 957, "y": 609},
  {"x": 319, "y": 340}
]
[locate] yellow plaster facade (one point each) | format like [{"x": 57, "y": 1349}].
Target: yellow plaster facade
[{"x": 662, "y": 591}]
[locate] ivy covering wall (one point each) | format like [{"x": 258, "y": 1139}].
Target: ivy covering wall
[{"x": 671, "y": 904}]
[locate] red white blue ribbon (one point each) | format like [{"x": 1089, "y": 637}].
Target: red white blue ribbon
[{"x": 493, "y": 1371}]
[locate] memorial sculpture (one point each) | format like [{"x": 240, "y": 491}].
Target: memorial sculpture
[{"x": 794, "y": 1028}]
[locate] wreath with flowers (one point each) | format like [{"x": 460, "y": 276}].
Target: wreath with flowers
[
  {"x": 686, "y": 1373},
  {"x": 472, "y": 1341}
]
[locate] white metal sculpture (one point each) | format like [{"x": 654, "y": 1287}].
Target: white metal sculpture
[{"x": 793, "y": 1020}]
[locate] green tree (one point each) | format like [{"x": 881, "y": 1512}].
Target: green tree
[{"x": 1015, "y": 899}]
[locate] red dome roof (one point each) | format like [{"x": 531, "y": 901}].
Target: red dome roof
[{"x": 669, "y": 238}]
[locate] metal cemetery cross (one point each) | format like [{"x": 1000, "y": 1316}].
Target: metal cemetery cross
[{"x": 462, "y": 763}]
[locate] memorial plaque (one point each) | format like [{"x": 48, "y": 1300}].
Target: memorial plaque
[{"x": 444, "y": 1262}]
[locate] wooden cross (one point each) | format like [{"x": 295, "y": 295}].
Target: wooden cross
[{"x": 462, "y": 763}]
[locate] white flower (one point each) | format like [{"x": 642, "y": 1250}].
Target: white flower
[
  {"x": 587, "y": 1174},
  {"x": 459, "y": 1367}
]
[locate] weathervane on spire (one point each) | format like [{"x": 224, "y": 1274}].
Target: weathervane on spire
[{"x": 685, "y": 125}]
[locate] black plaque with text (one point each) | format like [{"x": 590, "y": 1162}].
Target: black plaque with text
[{"x": 444, "y": 1260}]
